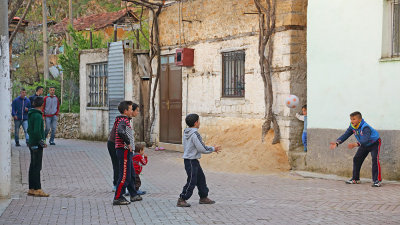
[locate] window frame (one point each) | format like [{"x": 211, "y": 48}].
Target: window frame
[
  {"x": 97, "y": 85},
  {"x": 237, "y": 57}
]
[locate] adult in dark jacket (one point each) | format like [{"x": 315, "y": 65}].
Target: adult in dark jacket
[
  {"x": 20, "y": 106},
  {"x": 39, "y": 92},
  {"x": 36, "y": 144}
]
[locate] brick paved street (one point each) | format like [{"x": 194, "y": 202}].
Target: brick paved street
[{"x": 77, "y": 174}]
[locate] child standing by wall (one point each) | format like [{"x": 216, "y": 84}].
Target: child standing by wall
[
  {"x": 303, "y": 118},
  {"x": 193, "y": 147},
  {"x": 139, "y": 160},
  {"x": 368, "y": 140}
]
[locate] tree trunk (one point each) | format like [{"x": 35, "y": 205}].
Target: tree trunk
[
  {"x": 158, "y": 54},
  {"x": 265, "y": 47}
]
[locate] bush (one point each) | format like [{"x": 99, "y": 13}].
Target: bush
[{"x": 31, "y": 89}]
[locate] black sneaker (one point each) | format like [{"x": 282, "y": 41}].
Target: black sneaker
[
  {"x": 52, "y": 143},
  {"x": 351, "y": 181},
  {"x": 121, "y": 201},
  {"x": 136, "y": 198},
  {"x": 17, "y": 144},
  {"x": 376, "y": 184}
]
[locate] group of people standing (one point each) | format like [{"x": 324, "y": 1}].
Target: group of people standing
[
  {"x": 32, "y": 113},
  {"x": 50, "y": 109}
]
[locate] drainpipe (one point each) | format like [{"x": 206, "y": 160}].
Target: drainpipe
[{"x": 187, "y": 93}]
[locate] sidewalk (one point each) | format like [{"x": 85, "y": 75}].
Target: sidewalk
[{"x": 77, "y": 174}]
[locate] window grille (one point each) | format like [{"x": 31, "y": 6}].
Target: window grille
[
  {"x": 233, "y": 84},
  {"x": 98, "y": 95}
]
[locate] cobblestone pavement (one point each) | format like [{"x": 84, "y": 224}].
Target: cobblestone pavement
[{"x": 77, "y": 174}]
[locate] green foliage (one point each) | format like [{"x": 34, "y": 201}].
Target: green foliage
[
  {"x": 75, "y": 108},
  {"x": 131, "y": 35},
  {"x": 30, "y": 90},
  {"x": 69, "y": 60},
  {"x": 58, "y": 9},
  {"x": 27, "y": 48}
]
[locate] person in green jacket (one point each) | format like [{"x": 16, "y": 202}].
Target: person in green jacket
[{"x": 37, "y": 142}]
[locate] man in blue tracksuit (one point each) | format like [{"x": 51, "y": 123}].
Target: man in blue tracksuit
[
  {"x": 20, "y": 107},
  {"x": 368, "y": 140}
]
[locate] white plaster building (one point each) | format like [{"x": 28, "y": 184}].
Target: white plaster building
[{"x": 353, "y": 57}]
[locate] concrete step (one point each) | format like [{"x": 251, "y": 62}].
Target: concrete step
[
  {"x": 169, "y": 146},
  {"x": 297, "y": 160}
]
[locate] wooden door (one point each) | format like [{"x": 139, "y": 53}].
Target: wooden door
[{"x": 170, "y": 101}]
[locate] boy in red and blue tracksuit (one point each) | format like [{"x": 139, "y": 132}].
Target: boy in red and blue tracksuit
[
  {"x": 124, "y": 145},
  {"x": 368, "y": 140}
]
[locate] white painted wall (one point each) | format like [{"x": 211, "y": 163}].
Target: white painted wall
[
  {"x": 5, "y": 110},
  {"x": 93, "y": 120},
  {"x": 345, "y": 74}
]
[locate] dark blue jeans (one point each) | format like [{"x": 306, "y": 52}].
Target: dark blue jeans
[
  {"x": 195, "y": 178},
  {"x": 114, "y": 161},
  {"x": 304, "y": 139}
]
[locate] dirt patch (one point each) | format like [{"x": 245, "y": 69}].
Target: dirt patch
[{"x": 243, "y": 151}]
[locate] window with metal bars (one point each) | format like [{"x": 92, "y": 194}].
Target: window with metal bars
[
  {"x": 233, "y": 74},
  {"x": 396, "y": 28},
  {"x": 98, "y": 94}
]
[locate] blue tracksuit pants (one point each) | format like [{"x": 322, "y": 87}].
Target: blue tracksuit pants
[{"x": 195, "y": 178}]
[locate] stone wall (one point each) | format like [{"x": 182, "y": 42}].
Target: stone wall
[{"x": 68, "y": 127}]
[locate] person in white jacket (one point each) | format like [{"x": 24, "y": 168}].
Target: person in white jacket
[{"x": 193, "y": 147}]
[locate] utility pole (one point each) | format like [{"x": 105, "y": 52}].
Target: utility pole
[
  {"x": 5, "y": 107},
  {"x": 45, "y": 42},
  {"x": 71, "y": 19}
]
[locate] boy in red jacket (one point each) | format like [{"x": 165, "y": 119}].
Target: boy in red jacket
[{"x": 139, "y": 160}]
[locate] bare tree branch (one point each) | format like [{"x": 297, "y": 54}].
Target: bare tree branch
[
  {"x": 17, "y": 6},
  {"x": 19, "y": 22}
]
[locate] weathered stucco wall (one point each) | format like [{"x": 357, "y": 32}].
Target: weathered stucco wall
[
  {"x": 93, "y": 120},
  {"x": 214, "y": 31}
]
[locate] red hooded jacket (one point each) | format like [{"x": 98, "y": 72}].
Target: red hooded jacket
[{"x": 138, "y": 162}]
